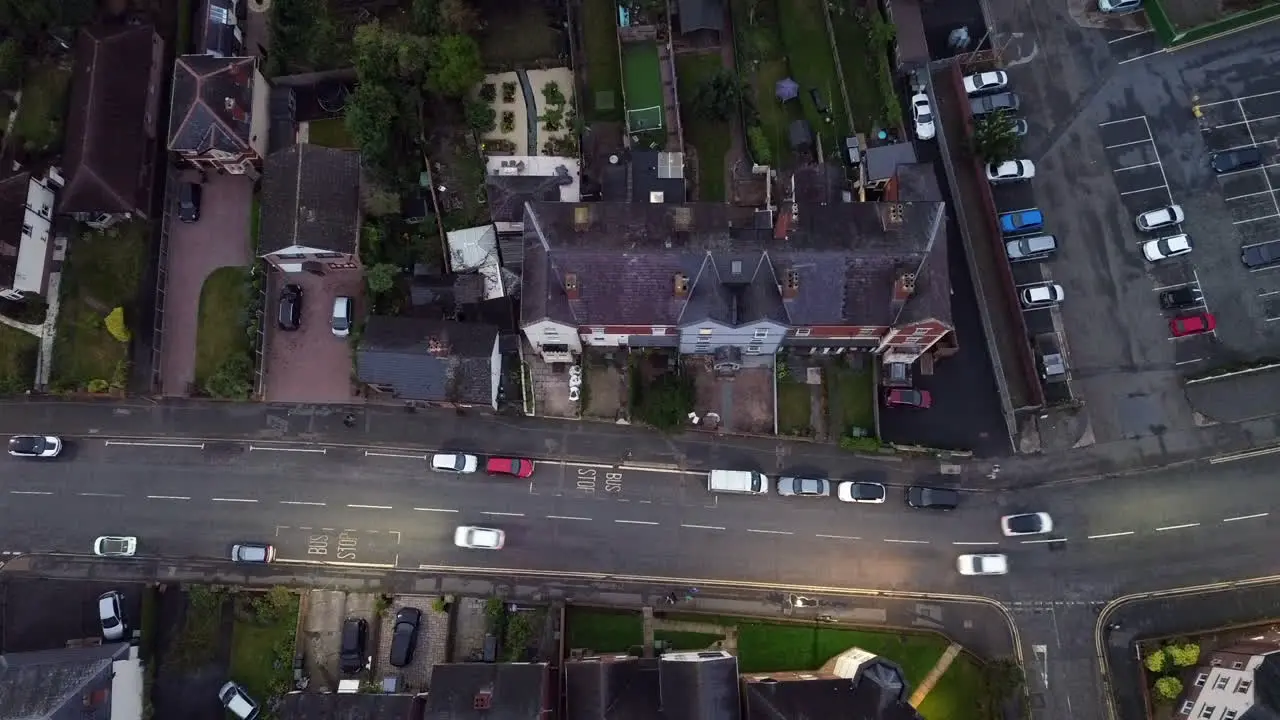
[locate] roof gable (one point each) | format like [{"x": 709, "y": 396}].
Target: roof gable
[
  {"x": 311, "y": 198},
  {"x": 212, "y": 99},
  {"x": 57, "y": 684},
  {"x": 425, "y": 359}
]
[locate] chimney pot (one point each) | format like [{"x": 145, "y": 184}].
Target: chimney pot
[
  {"x": 681, "y": 285},
  {"x": 571, "y": 285},
  {"x": 790, "y": 284}
]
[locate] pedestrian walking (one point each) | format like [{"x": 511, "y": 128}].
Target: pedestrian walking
[{"x": 349, "y": 420}]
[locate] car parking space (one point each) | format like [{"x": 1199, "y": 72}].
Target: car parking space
[
  {"x": 321, "y": 632},
  {"x": 49, "y": 614},
  {"x": 431, "y": 644},
  {"x": 1135, "y": 162},
  {"x": 1251, "y": 193},
  {"x": 310, "y": 364}
]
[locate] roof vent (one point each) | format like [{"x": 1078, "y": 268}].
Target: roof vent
[
  {"x": 571, "y": 285},
  {"x": 229, "y": 103},
  {"x": 791, "y": 284},
  {"x": 735, "y": 267},
  {"x": 681, "y": 285},
  {"x": 655, "y": 197},
  {"x": 581, "y": 217},
  {"x": 682, "y": 218},
  {"x": 482, "y": 701}
]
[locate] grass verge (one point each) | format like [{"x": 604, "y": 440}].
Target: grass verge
[
  {"x": 958, "y": 692},
  {"x": 680, "y": 640},
  {"x": 262, "y": 642},
  {"x": 220, "y": 330},
  {"x": 709, "y": 137},
  {"x": 794, "y": 401},
  {"x": 330, "y": 133},
  {"x": 604, "y": 71},
  {"x": 850, "y": 399},
  {"x": 38, "y": 125},
  {"x": 19, "y": 352},
  {"x": 604, "y": 631}
]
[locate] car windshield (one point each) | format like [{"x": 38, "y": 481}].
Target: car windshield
[
  {"x": 27, "y": 444},
  {"x": 867, "y": 491},
  {"x": 113, "y": 545},
  {"x": 1024, "y": 523},
  {"x": 484, "y": 537}
]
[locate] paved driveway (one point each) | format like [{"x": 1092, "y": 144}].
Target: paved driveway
[
  {"x": 310, "y": 365},
  {"x": 219, "y": 239}
]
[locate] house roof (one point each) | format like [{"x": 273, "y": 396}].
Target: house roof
[
  {"x": 654, "y": 173},
  {"x": 426, "y": 359},
  {"x": 1266, "y": 685},
  {"x": 212, "y": 99},
  {"x": 13, "y": 209},
  {"x": 106, "y": 133},
  {"x": 61, "y": 684},
  {"x": 699, "y": 686},
  {"x": 820, "y": 698},
  {"x": 607, "y": 689},
  {"x": 883, "y": 160},
  {"x": 217, "y": 33},
  {"x": 701, "y": 15},
  {"x": 842, "y": 258},
  {"x": 349, "y": 706},
  {"x": 487, "y": 691},
  {"x": 311, "y": 197},
  {"x": 513, "y": 181}
]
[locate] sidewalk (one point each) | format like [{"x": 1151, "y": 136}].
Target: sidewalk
[{"x": 980, "y": 627}]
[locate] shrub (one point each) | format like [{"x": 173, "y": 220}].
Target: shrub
[
  {"x": 98, "y": 385},
  {"x": 439, "y": 605},
  {"x": 666, "y": 403},
  {"x": 860, "y": 444},
  {"x": 760, "y": 149},
  {"x": 551, "y": 93},
  {"x": 1168, "y": 688},
  {"x": 115, "y": 325},
  {"x": 495, "y": 611},
  {"x": 233, "y": 380},
  {"x": 508, "y": 92},
  {"x": 508, "y": 121},
  {"x": 1156, "y": 661},
  {"x": 488, "y": 92},
  {"x": 1183, "y": 655}
]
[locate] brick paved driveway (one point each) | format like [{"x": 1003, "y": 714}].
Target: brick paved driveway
[
  {"x": 219, "y": 239},
  {"x": 311, "y": 365}
]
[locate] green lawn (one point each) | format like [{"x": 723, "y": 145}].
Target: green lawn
[
  {"x": 804, "y": 37},
  {"x": 794, "y": 401},
  {"x": 19, "y": 352},
  {"x": 775, "y": 116},
  {"x": 687, "y": 640},
  {"x": 958, "y": 692},
  {"x": 709, "y": 137},
  {"x": 861, "y": 65},
  {"x": 103, "y": 271},
  {"x": 331, "y": 133},
  {"x": 220, "y": 330},
  {"x": 38, "y": 125},
  {"x": 262, "y": 642},
  {"x": 604, "y": 73},
  {"x": 767, "y": 647},
  {"x": 604, "y": 630},
  {"x": 642, "y": 75},
  {"x": 850, "y": 393}
]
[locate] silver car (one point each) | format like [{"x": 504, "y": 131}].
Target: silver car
[
  {"x": 806, "y": 487},
  {"x": 111, "y": 615},
  {"x": 1160, "y": 218}
]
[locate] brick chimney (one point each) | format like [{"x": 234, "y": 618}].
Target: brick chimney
[
  {"x": 681, "y": 285},
  {"x": 790, "y": 283},
  {"x": 904, "y": 286},
  {"x": 571, "y": 286}
]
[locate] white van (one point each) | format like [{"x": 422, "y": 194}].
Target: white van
[{"x": 738, "y": 481}]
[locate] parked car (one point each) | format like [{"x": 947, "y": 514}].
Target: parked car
[
  {"x": 189, "y": 196},
  {"x": 923, "y": 116},
  {"x": 290, "y": 307},
  {"x": 1041, "y": 295},
  {"x": 1011, "y": 171},
  {"x": 1184, "y": 325},
  {"x": 861, "y": 492},
  {"x": 237, "y": 702},
  {"x": 1119, "y": 6},
  {"x": 931, "y": 498},
  {"x": 1030, "y": 247},
  {"x": 1160, "y": 218},
  {"x": 1261, "y": 255},
  {"x": 454, "y": 463},
  {"x": 1053, "y": 364},
  {"x": 35, "y": 446},
  {"x": 985, "y": 82},
  {"x": 990, "y": 564},
  {"x": 1037, "y": 523},
  {"x": 991, "y": 103},
  {"x": 804, "y": 487},
  {"x": 479, "y": 538},
  {"x": 343, "y": 309},
  {"x": 1020, "y": 126},
  {"x": 518, "y": 467},
  {"x": 115, "y": 546},
  {"x": 1238, "y": 159},
  {"x": 253, "y": 553},
  {"x": 351, "y": 655},
  {"x": 1022, "y": 221},
  {"x": 1184, "y": 297},
  {"x": 405, "y": 636},
  {"x": 1165, "y": 248},
  {"x": 908, "y": 397},
  {"x": 111, "y": 615}
]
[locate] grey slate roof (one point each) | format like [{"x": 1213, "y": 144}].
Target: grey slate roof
[
  {"x": 427, "y": 359},
  {"x": 844, "y": 255},
  {"x": 355, "y": 706},
  {"x": 13, "y": 210},
  {"x": 508, "y": 193},
  {"x": 834, "y": 698},
  {"x": 515, "y": 691},
  {"x": 212, "y": 99},
  {"x": 701, "y": 15},
  {"x": 701, "y": 690},
  {"x": 647, "y": 177},
  {"x": 58, "y": 684},
  {"x": 311, "y": 197},
  {"x": 612, "y": 689}
]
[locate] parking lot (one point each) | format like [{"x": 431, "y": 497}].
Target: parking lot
[
  {"x": 310, "y": 365},
  {"x": 48, "y": 614}
]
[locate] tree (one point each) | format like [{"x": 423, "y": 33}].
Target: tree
[
  {"x": 381, "y": 55},
  {"x": 381, "y": 277},
  {"x": 994, "y": 137},
  {"x": 481, "y": 116},
  {"x": 1004, "y": 678},
  {"x": 423, "y": 16},
  {"x": 455, "y": 65},
  {"x": 1183, "y": 655},
  {"x": 10, "y": 64},
  {"x": 456, "y": 17},
  {"x": 1168, "y": 688},
  {"x": 371, "y": 113},
  {"x": 717, "y": 97},
  {"x": 1156, "y": 661}
]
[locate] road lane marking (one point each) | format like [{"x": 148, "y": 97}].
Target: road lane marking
[
  {"x": 839, "y": 537},
  {"x": 1041, "y": 542},
  {"x": 1140, "y": 57},
  {"x": 770, "y": 532},
  {"x": 443, "y": 510},
  {"x": 636, "y": 522},
  {"x": 566, "y": 517},
  {"x": 370, "y": 507},
  {"x": 1177, "y": 527},
  {"x": 590, "y": 465},
  {"x": 29, "y": 492},
  {"x": 702, "y": 527},
  {"x": 975, "y": 543},
  {"x": 1245, "y": 517},
  {"x": 907, "y": 542},
  {"x": 168, "y": 497},
  {"x": 503, "y": 514},
  {"x": 301, "y": 502},
  {"x": 91, "y": 494},
  {"x": 1127, "y": 37},
  {"x": 156, "y": 444},
  {"x": 1243, "y": 455},
  {"x": 370, "y": 453},
  {"x": 322, "y": 451},
  {"x": 1111, "y": 535},
  {"x": 669, "y": 471},
  {"x": 241, "y": 500}
]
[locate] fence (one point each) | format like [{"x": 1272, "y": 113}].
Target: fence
[
  {"x": 259, "y": 269},
  {"x": 162, "y": 275},
  {"x": 1171, "y": 36}
]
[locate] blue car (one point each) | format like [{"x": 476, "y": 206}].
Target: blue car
[{"x": 1021, "y": 221}]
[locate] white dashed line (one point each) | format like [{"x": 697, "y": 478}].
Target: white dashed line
[
  {"x": 370, "y": 507},
  {"x": 636, "y": 522},
  {"x": 975, "y": 543},
  {"x": 443, "y": 510},
  {"x": 503, "y": 514},
  {"x": 301, "y": 502},
  {"x": 89, "y": 494},
  {"x": 908, "y": 542},
  {"x": 29, "y": 492},
  {"x": 703, "y": 527},
  {"x": 839, "y": 537},
  {"x": 770, "y": 532},
  {"x": 1111, "y": 535},
  {"x": 1245, "y": 517},
  {"x": 240, "y": 500},
  {"x": 168, "y": 497},
  {"x": 566, "y": 517},
  {"x": 1042, "y": 542},
  {"x": 1177, "y": 527}
]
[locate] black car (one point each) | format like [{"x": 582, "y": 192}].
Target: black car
[
  {"x": 1238, "y": 159},
  {"x": 189, "y": 195},
  {"x": 928, "y": 498},
  {"x": 1183, "y": 297},
  {"x": 290, "y": 307},
  {"x": 991, "y": 103},
  {"x": 354, "y": 633},
  {"x": 1261, "y": 255},
  {"x": 405, "y": 636}
]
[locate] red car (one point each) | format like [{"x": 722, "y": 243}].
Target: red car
[
  {"x": 908, "y": 398},
  {"x": 518, "y": 467},
  {"x": 1192, "y": 324}
]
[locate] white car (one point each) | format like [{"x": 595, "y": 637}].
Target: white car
[
  {"x": 454, "y": 463},
  {"x": 237, "y": 701},
  {"x": 115, "y": 546},
  {"x": 861, "y": 492},
  {"x": 1041, "y": 294},
  {"x": 478, "y": 538},
  {"x": 986, "y": 82},
  {"x": 923, "y": 115},
  {"x": 1026, "y": 524},
  {"x": 35, "y": 446},
  {"x": 1165, "y": 248},
  {"x": 1011, "y": 171},
  {"x": 1119, "y": 6},
  {"x": 1160, "y": 217},
  {"x": 982, "y": 564},
  {"x": 111, "y": 615}
]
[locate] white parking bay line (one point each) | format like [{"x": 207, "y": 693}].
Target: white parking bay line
[
  {"x": 1246, "y": 517},
  {"x": 1177, "y": 527},
  {"x": 443, "y": 510},
  {"x": 1042, "y": 542},
  {"x": 192, "y": 446},
  {"x": 1127, "y": 144},
  {"x": 1250, "y": 220},
  {"x": 168, "y": 497},
  {"x": 839, "y": 537},
  {"x": 567, "y": 517},
  {"x": 502, "y": 514},
  {"x": 908, "y": 542},
  {"x": 1129, "y": 36},
  {"x": 1135, "y": 192},
  {"x": 301, "y": 502},
  {"x": 1135, "y": 167},
  {"x": 701, "y": 527},
  {"x": 1111, "y": 535},
  {"x": 370, "y": 507},
  {"x": 636, "y": 522},
  {"x": 322, "y": 451},
  {"x": 370, "y": 453},
  {"x": 239, "y": 500},
  {"x": 1123, "y": 120},
  {"x": 975, "y": 543}
]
